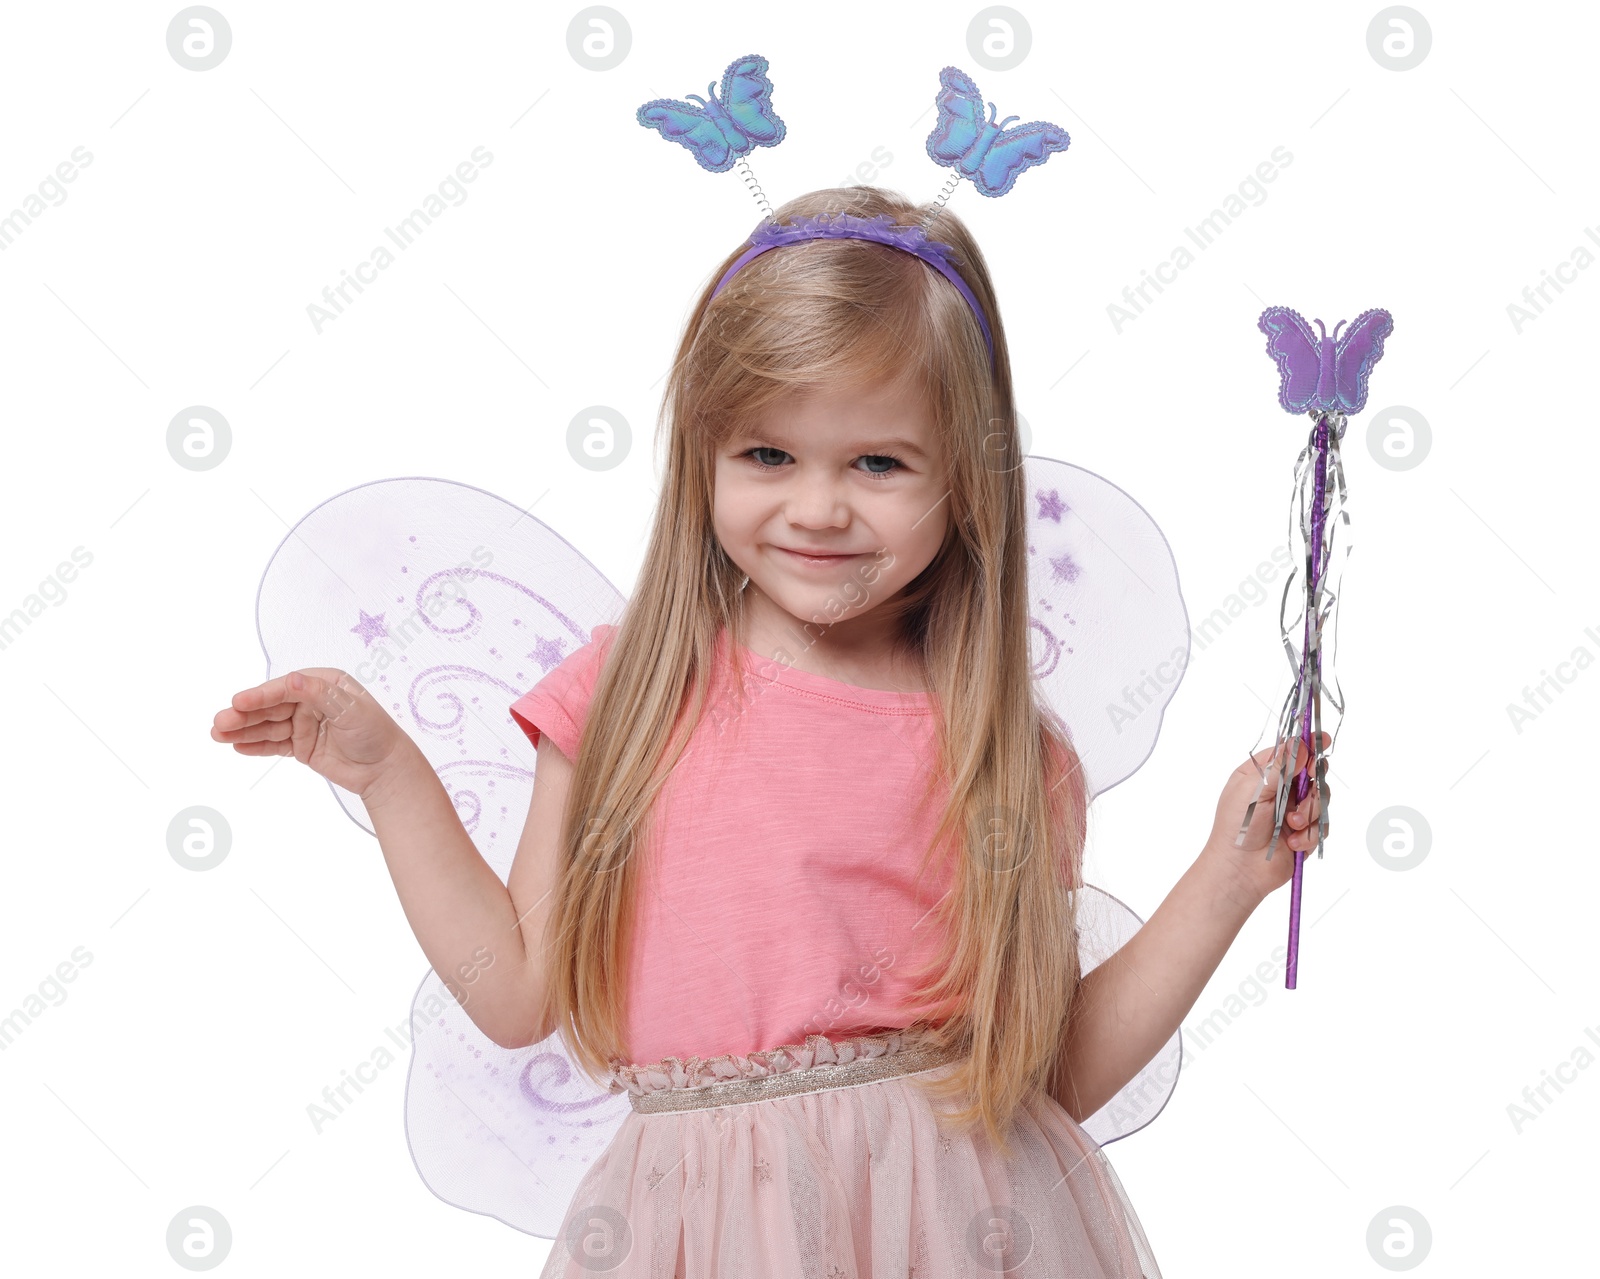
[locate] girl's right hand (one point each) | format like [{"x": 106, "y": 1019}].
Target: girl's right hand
[{"x": 324, "y": 718}]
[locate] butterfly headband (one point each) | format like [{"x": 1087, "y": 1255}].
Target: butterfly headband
[{"x": 722, "y": 130}]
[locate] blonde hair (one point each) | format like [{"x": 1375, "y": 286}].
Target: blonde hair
[{"x": 831, "y": 313}]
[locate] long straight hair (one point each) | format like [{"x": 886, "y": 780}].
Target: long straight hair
[{"x": 831, "y": 313}]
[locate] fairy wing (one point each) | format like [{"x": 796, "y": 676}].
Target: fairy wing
[
  {"x": 1110, "y": 646},
  {"x": 449, "y": 603}
]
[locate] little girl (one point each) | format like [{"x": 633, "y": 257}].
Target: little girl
[{"x": 810, "y": 757}]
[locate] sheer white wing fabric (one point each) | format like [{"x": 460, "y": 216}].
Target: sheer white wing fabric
[{"x": 448, "y": 603}]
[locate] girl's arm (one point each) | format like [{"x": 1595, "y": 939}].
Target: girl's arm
[
  {"x": 483, "y": 938},
  {"x": 1127, "y": 1008}
]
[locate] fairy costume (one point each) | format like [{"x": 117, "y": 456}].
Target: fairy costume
[{"x": 452, "y": 607}]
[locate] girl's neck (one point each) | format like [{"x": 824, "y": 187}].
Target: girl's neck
[{"x": 861, "y": 651}]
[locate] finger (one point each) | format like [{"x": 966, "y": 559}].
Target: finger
[
  {"x": 1272, "y": 757},
  {"x": 296, "y": 686},
  {"x": 264, "y": 748},
  {"x": 1309, "y": 807},
  {"x": 278, "y": 730},
  {"x": 230, "y": 720},
  {"x": 1305, "y": 841}
]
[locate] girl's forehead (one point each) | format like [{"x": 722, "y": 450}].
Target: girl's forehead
[{"x": 838, "y": 420}]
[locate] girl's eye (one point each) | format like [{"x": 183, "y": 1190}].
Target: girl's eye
[
  {"x": 895, "y": 463},
  {"x": 754, "y": 454}
]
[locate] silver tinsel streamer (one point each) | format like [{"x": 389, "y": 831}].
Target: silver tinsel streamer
[{"x": 1306, "y": 653}]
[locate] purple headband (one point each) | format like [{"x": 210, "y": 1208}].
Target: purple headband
[
  {"x": 721, "y": 131},
  {"x": 881, "y": 229}
]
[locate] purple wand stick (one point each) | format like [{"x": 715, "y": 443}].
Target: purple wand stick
[
  {"x": 1311, "y": 671},
  {"x": 1325, "y": 376}
]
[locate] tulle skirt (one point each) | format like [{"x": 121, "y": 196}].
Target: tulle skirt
[{"x": 827, "y": 1161}]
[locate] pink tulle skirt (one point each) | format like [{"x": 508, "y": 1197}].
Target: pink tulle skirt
[{"x": 827, "y": 1161}]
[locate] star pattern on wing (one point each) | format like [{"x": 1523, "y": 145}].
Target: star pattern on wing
[
  {"x": 370, "y": 628},
  {"x": 1051, "y": 507},
  {"x": 548, "y": 653},
  {"x": 1065, "y": 568}
]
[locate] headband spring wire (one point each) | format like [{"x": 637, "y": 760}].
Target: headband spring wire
[
  {"x": 754, "y": 186},
  {"x": 945, "y": 192}
]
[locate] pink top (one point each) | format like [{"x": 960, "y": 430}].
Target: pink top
[{"x": 778, "y": 886}]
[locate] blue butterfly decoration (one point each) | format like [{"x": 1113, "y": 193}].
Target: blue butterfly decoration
[
  {"x": 967, "y": 138},
  {"x": 722, "y": 131},
  {"x": 1324, "y": 371}
]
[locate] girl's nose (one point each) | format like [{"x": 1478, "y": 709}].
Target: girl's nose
[{"x": 817, "y": 500}]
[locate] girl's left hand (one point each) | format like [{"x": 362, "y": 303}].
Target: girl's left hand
[{"x": 1247, "y": 861}]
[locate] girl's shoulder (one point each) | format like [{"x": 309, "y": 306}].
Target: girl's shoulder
[{"x": 558, "y": 702}]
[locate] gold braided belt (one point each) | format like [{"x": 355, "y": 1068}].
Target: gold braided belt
[{"x": 696, "y": 1083}]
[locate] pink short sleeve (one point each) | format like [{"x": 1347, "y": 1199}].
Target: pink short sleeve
[{"x": 559, "y": 703}]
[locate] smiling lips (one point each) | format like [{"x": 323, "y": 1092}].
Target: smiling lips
[{"x": 818, "y": 559}]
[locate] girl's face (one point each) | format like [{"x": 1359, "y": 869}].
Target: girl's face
[{"x": 832, "y": 503}]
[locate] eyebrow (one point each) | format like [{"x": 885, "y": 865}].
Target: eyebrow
[{"x": 864, "y": 449}]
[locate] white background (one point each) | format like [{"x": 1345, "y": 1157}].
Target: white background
[{"x": 218, "y": 205}]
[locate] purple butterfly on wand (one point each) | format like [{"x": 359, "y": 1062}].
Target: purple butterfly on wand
[{"x": 1324, "y": 376}]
